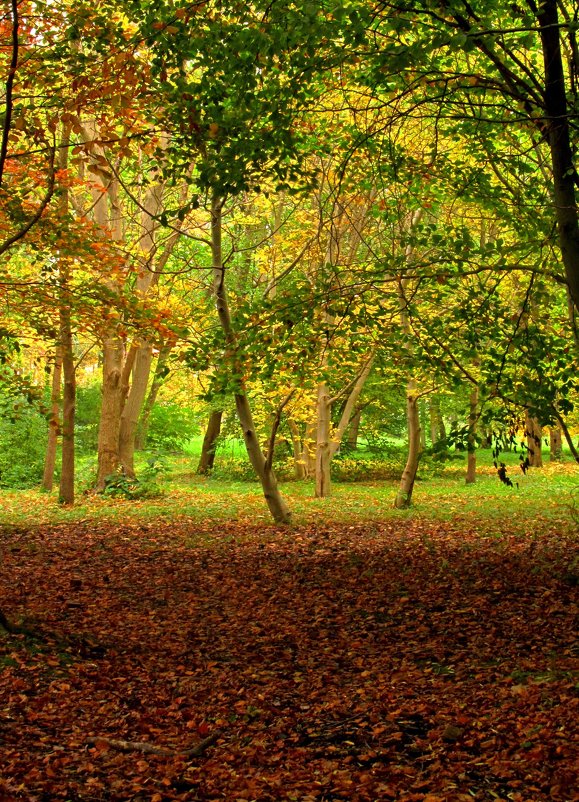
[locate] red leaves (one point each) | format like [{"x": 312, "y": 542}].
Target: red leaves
[{"x": 411, "y": 662}]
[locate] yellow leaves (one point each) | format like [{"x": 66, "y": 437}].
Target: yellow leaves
[{"x": 213, "y": 130}]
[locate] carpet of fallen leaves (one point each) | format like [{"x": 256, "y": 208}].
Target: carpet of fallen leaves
[{"x": 395, "y": 661}]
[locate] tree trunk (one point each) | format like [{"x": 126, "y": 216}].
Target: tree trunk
[
  {"x": 422, "y": 414},
  {"x": 323, "y": 452},
  {"x": 298, "y": 451},
  {"x": 404, "y": 495},
  {"x": 309, "y": 450},
  {"x": 354, "y": 430},
  {"x": 262, "y": 466},
  {"x": 555, "y": 444},
  {"x": 110, "y": 418},
  {"x": 53, "y": 423},
  {"x": 558, "y": 132},
  {"x": 67, "y": 471},
  {"x": 350, "y": 406},
  {"x": 132, "y": 407},
  {"x": 534, "y": 434},
  {"x": 471, "y": 438},
  {"x": 210, "y": 442},
  {"x": 437, "y": 428},
  {"x": 158, "y": 379}
]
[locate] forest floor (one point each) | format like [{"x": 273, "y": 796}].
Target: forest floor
[{"x": 432, "y": 661}]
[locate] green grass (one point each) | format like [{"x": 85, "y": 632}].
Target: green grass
[{"x": 550, "y": 494}]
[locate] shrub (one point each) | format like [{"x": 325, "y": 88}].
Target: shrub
[
  {"x": 171, "y": 426},
  {"x": 22, "y": 448}
]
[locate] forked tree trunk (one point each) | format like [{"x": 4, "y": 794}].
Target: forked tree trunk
[
  {"x": 208, "y": 448},
  {"x": 404, "y": 496},
  {"x": 53, "y": 423},
  {"x": 555, "y": 444},
  {"x": 262, "y": 466},
  {"x": 471, "y": 438},
  {"x": 110, "y": 417},
  {"x": 132, "y": 408},
  {"x": 534, "y": 434}
]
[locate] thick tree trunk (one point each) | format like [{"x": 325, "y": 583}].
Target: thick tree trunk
[
  {"x": 558, "y": 132},
  {"x": 534, "y": 434},
  {"x": 555, "y": 444},
  {"x": 208, "y": 448},
  {"x": 53, "y": 423},
  {"x": 471, "y": 438},
  {"x": 323, "y": 449},
  {"x": 67, "y": 471},
  {"x": 132, "y": 408},
  {"x": 404, "y": 495},
  {"x": 110, "y": 418},
  {"x": 262, "y": 466}
]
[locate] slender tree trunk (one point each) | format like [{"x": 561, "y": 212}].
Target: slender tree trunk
[
  {"x": 404, "y": 495},
  {"x": 323, "y": 450},
  {"x": 210, "y": 442},
  {"x": 67, "y": 471},
  {"x": 298, "y": 452},
  {"x": 54, "y": 422},
  {"x": 567, "y": 435},
  {"x": 354, "y": 429},
  {"x": 471, "y": 438},
  {"x": 350, "y": 405},
  {"x": 309, "y": 449},
  {"x": 422, "y": 414},
  {"x": 555, "y": 444},
  {"x": 262, "y": 466},
  {"x": 132, "y": 408},
  {"x": 534, "y": 436},
  {"x": 159, "y": 377},
  {"x": 437, "y": 428}
]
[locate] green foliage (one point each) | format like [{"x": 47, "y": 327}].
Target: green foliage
[
  {"x": 171, "y": 426},
  {"x": 88, "y": 404},
  {"x": 22, "y": 448},
  {"x": 118, "y": 485}
]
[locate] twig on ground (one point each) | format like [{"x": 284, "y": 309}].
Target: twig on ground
[{"x": 151, "y": 749}]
